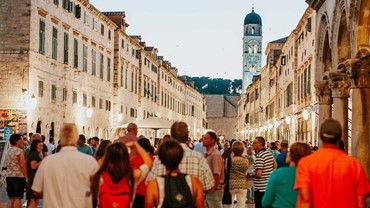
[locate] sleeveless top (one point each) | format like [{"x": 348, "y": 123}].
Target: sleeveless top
[
  {"x": 12, "y": 162},
  {"x": 238, "y": 172},
  {"x": 161, "y": 192}
]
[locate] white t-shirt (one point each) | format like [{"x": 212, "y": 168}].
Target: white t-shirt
[
  {"x": 64, "y": 179},
  {"x": 50, "y": 147}
]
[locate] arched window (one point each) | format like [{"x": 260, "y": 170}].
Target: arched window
[
  {"x": 253, "y": 31},
  {"x": 255, "y": 48}
]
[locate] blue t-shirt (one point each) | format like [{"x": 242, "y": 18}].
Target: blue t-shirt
[
  {"x": 280, "y": 160},
  {"x": 280, "y": 189},
  {"x": 85, "y": 149}
]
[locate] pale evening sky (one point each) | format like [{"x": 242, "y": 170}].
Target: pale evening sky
[{"x": 204, "y": 37}]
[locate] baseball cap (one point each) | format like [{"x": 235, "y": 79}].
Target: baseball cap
[
  {"x": 284, "y": 143},
  {"x": 330, "y": 129}
]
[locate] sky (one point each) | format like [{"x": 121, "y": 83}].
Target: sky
[{"x": 204, "y": 37}]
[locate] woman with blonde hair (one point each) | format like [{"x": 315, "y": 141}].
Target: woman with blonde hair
[{"x": 238, "y": 182}]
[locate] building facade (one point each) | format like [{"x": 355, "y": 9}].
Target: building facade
[
  {"x": 65, "y": 61},
  {"x": 322, "y": 71},
  {"x": 280, "y": 102},
  {"x": 252, "y": 48}
]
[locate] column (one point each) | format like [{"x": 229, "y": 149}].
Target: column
[
  {"x": 339, "y": 84},
  {"x": 323, "y": 94},
  {"x": 359, "y": 70}
]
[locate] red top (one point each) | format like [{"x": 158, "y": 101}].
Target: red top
[{"x": 136, "y": 162}]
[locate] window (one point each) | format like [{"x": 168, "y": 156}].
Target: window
[
  {"x": 84, "y": 66},
  {"x": 93, "y": 57},
  {"x": 86, "y": 18},
  {"x": 126, "y": 74},
  {"x": 122, "y": 43},
  {"x": 132, "y": 81},
  {"x": 75, "y": 53},
  {"x": 84, "y": 99},
  {"x": 101, "y": 66},
  {"x": 74, "y": 97},
  {"x": 66, "y": 37},
  {"x": 132, "y": 112},
  {"x": 41, "y": 88},
  {"x": 54, "y": 54},
  {"x": 109, "y": 34},
  {"x": 95, "y": 24},
  {"x": 42, "y": 37},
  {"x": 100, "y": 103},
  {"x": 93, "y": 101},
  {"x": 102, "y": 29},
  {"x": 309, "y": 79},
  {"x": 56, "y": 2},
  {"x": 65, "y": 94},
  {"x": 121, "y": 80},
  {"x": 108, "y": 70},
  {"x": 53, "y": 92}
]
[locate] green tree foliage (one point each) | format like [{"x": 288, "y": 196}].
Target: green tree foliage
[{"x": 219, "y": 86}]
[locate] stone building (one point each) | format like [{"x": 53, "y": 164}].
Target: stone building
[
  {"x": 222, "y": 114},
  {"x": 77, "y": 64},
  {"x": 279, "y": 104},
  {"x": 342, "y": 69},
  {"x": 320, "y": 71}
]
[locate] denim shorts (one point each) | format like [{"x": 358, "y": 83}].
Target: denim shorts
[{"x": 15, "y": 187}]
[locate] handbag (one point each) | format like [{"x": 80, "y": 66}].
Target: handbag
[{"x": 226, "y": 198}]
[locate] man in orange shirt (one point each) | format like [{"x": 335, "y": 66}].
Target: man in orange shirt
[{"x": 329, "y": 177}]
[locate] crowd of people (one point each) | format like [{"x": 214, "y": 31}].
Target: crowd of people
[{"x": 131, "y": 172}]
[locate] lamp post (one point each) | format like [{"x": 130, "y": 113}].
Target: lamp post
[{"x": 89, "y": 112}]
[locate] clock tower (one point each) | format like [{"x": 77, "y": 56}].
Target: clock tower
[{"x": 252, "y": 48}]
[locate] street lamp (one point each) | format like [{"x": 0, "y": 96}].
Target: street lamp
[
  {"x": 119, "y": 117},
  {"x": 89, "y": 112},
  {"x": 287, "y": 120},
  {"x": 305, "y": 115},
  {"x": 33, "y": 102}
]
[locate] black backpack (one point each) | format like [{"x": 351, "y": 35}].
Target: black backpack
[{"x": 177, "y": 192}]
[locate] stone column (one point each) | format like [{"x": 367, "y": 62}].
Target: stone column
[
  {"x": 323, "y": 94},
  {"x": 339, "y": 84},
  {"x": 359, "y": 71}
]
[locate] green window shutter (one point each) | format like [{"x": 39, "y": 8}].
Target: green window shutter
[
  {"x": 75, "y": 53},
  {"x": 42, "y": 37},
  {"x": 55, "y": 43},
  {"x": 66, "y": 41},
  {"x": 309, "y": 79},
  {"x": 56, "y": 2},
  {"x": 108, "y": 70}
]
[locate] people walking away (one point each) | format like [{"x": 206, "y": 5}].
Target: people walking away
[
  {"x": 100, "y": 152},
  {"x": 16, "y": 170},
  {"x": 238, "y": 182},
  {"x": 113, "y": 184},
  {"x": 131, "y": 136},
  {"x": 214, "y": 160},
  {"x": 263, "y": 167},
  {"x": 281, "y": 158},
  {"x": 280, "y": 191},
  {"x": 329, "y": 177},
  {"x": 199, "y": 146},
  {"x": 33, "y": 162},
  {"x": 250, "y": 192},
  {"x": 63, "y": 180},
  {"x": 51, "y": 146},
  {"x": 192, "y": 163},
  {"x": 274, "y": 150},
  {"x": 136, "y": 162},
  {"x": 173, "y": 188}
]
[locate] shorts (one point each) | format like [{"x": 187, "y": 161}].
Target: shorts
[{"x": 15, "y": 187}]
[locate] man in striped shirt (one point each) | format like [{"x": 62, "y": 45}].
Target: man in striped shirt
[{"x": 263, "y": 167}]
